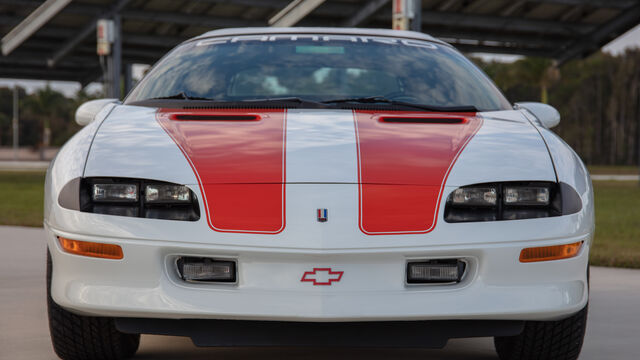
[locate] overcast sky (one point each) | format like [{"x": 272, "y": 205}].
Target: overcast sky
[{"x": 628, "y": 40}]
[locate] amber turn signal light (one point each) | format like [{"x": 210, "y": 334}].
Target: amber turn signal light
[
  {"x": 92, "y": 249},
  {"x": 546, "y": 253}
]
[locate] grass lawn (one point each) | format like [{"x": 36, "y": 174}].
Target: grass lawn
[
  {"x": 21, "y": 197},
  {"x": 617, "y": 241},
  {"x": 613, "y": 170}
]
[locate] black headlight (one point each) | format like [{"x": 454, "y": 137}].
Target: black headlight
[
  {"x": 511, "y": 201},
  {"x": 131, "y": 197}
]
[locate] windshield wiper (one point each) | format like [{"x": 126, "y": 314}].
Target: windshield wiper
[
  {"x": 283, "y": 101},
  {"x": 383, "y": 100},
  {"x": 180, "y": 96}
]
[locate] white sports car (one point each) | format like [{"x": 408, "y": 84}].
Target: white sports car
[{"x": 317, "y": 186}]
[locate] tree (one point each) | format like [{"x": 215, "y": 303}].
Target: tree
[
  {"x": 6, "y": 114},
  {"x": 46, "y": 106},
  {"x": 598, "y": 99},
  {"x": 537, "y": 72}
]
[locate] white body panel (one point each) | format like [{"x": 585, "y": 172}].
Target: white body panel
[
  {"x": 321, "y": 166},
  {"x": 69, "y": 163},
  {"x": 133, "y": 144},
  {"x": 321, "y": 148},
  {"x": 496, "y": 287},
  {"x": 506, "y": 148}
]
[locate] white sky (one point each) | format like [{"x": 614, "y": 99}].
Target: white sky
[
  {"x": 69, "y": 88},
  {"x": 630, "y": 39}
]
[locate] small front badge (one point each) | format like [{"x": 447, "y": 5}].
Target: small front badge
[
  {"x": 323, "y": 215},
  {"x": 322, "y": 276}
]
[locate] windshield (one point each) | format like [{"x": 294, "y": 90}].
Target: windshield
[{"x": 320, "y": 68}]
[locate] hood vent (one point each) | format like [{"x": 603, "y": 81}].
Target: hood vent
[
  {"x": 211, "y": 117},
  {"x": 421, "y": 120}
]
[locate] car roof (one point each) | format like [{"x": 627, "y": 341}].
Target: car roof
[{"x": 319, "y": 30}]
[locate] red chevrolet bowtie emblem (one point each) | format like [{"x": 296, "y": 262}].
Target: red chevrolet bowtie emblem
[{"x": 322, "y": 276}]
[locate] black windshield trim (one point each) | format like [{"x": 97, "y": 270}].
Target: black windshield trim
[{"x": 251, "y": 105}]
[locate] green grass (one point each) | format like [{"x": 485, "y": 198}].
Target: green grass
[
  {"x": 613, "y": 170},
  {"x": 21, "y": 197},
  {"x": 617, "y": 240}
]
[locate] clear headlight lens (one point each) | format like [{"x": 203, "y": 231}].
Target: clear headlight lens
[
  {"x": 526, "y": 195},
  {"x": 165, "y": 193},
  {"x": 510, "y": 201},
  {"x": 115, "y": 192},
  {"x": 122, "y": 197},
  {"x": 475, "y": 196}
]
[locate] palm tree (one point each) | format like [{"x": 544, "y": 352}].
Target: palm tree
[
  {"x": 538, "y": 72},
  {"x": 46, "y": 105}
]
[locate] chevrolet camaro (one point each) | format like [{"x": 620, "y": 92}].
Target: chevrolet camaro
[{"x": 317, "y": 187}]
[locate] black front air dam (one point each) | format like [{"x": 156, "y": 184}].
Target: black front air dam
[{"x": 380, "y": 334}]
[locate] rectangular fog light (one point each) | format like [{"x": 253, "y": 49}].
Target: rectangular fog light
[
  {"x": 201, "y": 269},
  {"x": 435, "y": 271}
]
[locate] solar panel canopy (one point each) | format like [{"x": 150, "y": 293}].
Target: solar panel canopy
[{"x": 64, "y": 46}]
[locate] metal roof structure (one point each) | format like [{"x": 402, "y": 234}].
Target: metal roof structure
[{"x": 55, "y": 39}]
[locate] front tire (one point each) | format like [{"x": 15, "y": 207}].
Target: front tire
[
  {"x": 77, "y": 337},
  {"x": 548, "y": 340}
]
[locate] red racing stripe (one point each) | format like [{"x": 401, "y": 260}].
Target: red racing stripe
[
  {"x": 403, "y": 165},
  {"x": 238, "y": 157}
]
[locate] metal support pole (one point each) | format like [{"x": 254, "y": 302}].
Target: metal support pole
[
  {"x": 128, "y": 78},
  {"x": 407, "y": 15},
  {"x": 400, "y": 15},
  {"x": 416, "y": 21},
  {"x": 294, "y": 12},
  {"x": 116, "y": 58},
  {"x": 108, "y": 78},
  {"x": 16, "y": 131}
]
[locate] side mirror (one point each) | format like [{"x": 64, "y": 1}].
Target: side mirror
[
  {"x": 88, "y": 111},
  {"x": 547, "y": 115}
]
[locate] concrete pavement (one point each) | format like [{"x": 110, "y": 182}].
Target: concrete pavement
[
  {"x": 613, "y": 330},
  {"x": 615, "y": 177},
  {"x": 24, "y": 165}
]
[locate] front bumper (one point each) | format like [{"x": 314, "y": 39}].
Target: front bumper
[{"x": 145, "y": 283}]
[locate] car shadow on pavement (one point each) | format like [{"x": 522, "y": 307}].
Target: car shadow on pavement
[{"x": 163, "y": 347}]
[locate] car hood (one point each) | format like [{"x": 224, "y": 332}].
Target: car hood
[
  {"x": 317, "y": 146},
  {"x": 254, "y": 169}
]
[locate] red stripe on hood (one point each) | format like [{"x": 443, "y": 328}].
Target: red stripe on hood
[
  {"x": 403, "y": 167},
  {"x": 239, "y": 164}
]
